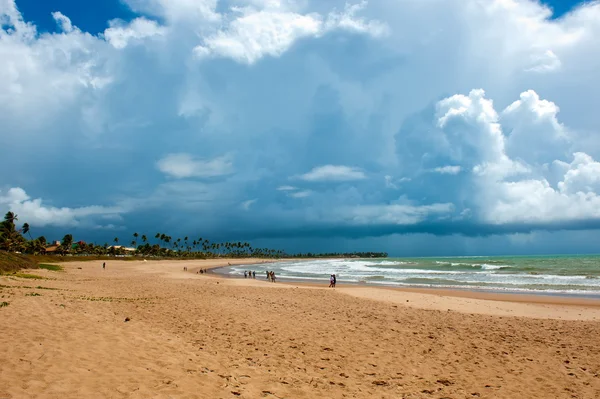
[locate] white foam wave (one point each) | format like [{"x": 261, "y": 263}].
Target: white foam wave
[{"x": 383, "y": 272}]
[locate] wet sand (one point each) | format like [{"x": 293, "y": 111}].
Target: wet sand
[{"x": 204, "y": 336}]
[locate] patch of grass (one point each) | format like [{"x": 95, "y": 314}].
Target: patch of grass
[
  {"x": 4, "y": 304},
  {"x": 28, "y": 276},
  {"x": 10, "y": 262},
  {"x": 33, "y": 294},
  {"x": 54, "y": 268}
]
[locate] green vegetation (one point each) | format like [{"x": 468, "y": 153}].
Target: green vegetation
[
  {"x": 54, "y": 268},
  {"x": 10, "y": 262},
  {"x": 13, "y": 243}
]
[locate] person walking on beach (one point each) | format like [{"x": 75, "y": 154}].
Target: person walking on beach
[
  {"x": 334, "y": 280},
  {"x": 245, "y": 274},
  {"x": 331, "y": 281},
  {"x": 254, "y": 275},
  {"x": 103, "y": 265}
]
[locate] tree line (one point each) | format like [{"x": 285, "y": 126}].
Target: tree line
[{"x": 155, "y": 245}]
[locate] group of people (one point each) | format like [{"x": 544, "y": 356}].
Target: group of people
[
  {"x": 252, "y": 274},
  {"x": 201, "y": 271}
]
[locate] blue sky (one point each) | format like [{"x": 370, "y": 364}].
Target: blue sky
[{"x": 454, "y": 127}]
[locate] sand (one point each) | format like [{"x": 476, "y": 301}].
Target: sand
[{"x": 203, "y": 336}]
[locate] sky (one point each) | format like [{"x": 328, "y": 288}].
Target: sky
[{"x": 420, "y": 128}]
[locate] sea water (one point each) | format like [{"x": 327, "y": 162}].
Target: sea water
[{"x": 579, "y": 275}]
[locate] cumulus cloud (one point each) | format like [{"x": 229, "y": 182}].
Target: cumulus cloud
[
  {"x": 119, "y": 34},
  {"x": 272, "y": 29},
  {"x": 184, "y": 165},
  {"x": 333, "y": 173},
  {"x": 63, "y": 21},
  {"x": 178, "y": 10},
  {"x": 33, "y": 211},
  {"x": 256, "y": 34},
  {"x": 521, "y": 193}
]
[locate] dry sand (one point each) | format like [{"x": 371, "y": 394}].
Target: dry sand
[{"x": 202, "y": 336}]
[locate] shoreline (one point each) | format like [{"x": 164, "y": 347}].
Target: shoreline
[
  {"x": 547, "y": 298},
  {"x": 463, "y": 301}
]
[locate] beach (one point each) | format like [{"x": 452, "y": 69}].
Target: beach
[{"x": 152, "y": 330}]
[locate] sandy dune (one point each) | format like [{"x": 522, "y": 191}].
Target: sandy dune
[{"x": 199, "y": 336}]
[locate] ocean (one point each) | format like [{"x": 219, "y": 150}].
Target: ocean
[{"x": 571, "y": 275}]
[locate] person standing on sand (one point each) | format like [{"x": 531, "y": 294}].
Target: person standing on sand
[
  {"x": 330, "y": 280},
  {"x": 245, "y": 274},
  {"x": 103, "y": 265},
  {"x": 254, "y": 275},
  {"x": 334, "y": 280}
]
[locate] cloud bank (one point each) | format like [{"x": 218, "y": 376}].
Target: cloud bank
[{"x": 282, "y": 118}]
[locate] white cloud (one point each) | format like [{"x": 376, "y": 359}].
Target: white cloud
[
  {"x": 533, "y": 130},
  {"x": 119, "y": 34},
  {"x": 286, "y": 188},
  {"x": 63, "y": 22},
  {"x": 45, "y": 75},
  {"x": 255, "y": 34},
  {"x": 183, "y": 165},
  {"x": 448, "y": 170},
  {"x": 34, "y": 212},
  {"x": 195, "y": 11},
  {"x": 348, "y": 20},
  {"x": 273, "y": 28},
  {"x": 333, "y": 173},
  {"x": 300, "y": 194},
  {"x": 536, "y": 138}
]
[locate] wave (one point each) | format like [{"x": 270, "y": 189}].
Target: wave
[{"x": 504, "y": 274}]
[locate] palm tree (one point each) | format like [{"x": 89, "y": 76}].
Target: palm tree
[
  {"x": 10, "y": 238},
  {"x": 116, "y": 240},
  {"x": 25, "y": 230},
  {"x": 144, "y": 238},
  {"x": 135, "y": 235},
  {"x": 66, "y": 244}
]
